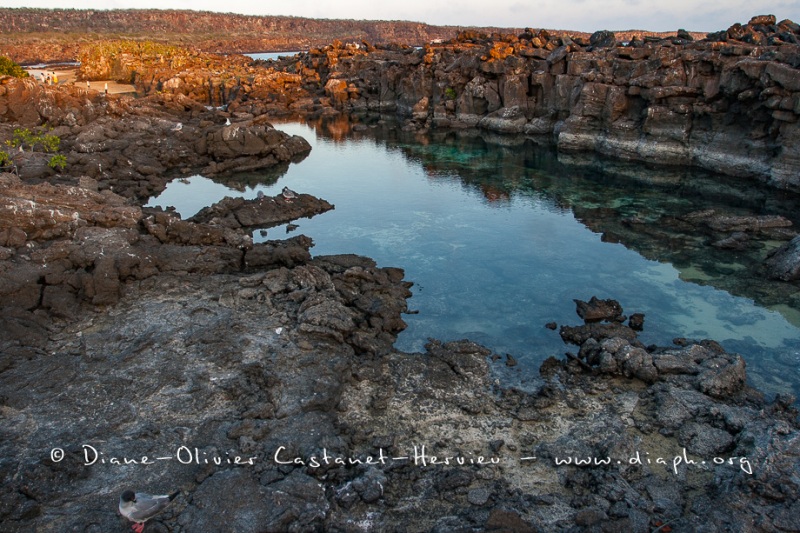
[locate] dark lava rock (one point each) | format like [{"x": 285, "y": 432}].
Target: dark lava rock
[
  {"x": 136, "y": 145},
  {"x": 507, "y": 520},
  {"x": 603, "y": 39},
  {"x": 596, "y": 310},
  {"x": 288, "y": 253},
  {"x": 579, "y": 334},
  {"x": 232, "y": 500},
  {"x": 636, "y": 321},
  {"x": 478, "y": 496},
  {"x": 143, "y": 334},
  {"x": 264, "y": 212}
]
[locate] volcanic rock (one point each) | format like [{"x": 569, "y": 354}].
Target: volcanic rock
[
  {"x": 136, "y": 145},
  {"x": 264, "y": 212},
  {"x": 784, "y": 263},
  {"x": 596, "y": 310}
]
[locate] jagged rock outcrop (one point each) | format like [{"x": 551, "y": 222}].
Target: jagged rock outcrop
[
  {"x": 137, "y": 145},
  {"x": 64, "y": 246},
  {"x": 28, "y": 103},
  {"x": 727, "y": 103}
]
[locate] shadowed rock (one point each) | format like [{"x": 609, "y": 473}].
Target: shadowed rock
[
  {"x": 264, "y": 212},
  {"x": 784, "y": 263}
]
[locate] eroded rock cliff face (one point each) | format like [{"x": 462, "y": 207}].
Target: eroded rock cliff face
[{"x": 729, "y": 103}]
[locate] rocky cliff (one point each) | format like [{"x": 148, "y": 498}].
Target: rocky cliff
[{"x": 729, "y": 103}]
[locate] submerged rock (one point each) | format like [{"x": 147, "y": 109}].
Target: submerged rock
[{"x": 784, "y": 263}]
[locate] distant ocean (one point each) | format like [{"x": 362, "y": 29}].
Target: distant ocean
[{"x": 271, "y": 55}]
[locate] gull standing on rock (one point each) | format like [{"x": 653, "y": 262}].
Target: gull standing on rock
[
  {"x": 140, "y": 507},
  {"x": 288, "y": 194}
]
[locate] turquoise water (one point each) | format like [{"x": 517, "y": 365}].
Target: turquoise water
[{"x": 499, "y": 238}]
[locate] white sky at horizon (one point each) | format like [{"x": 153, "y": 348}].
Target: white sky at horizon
[{"x": 579, "y": 15}]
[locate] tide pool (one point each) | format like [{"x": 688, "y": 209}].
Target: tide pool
[{"x": 499, "y": 238}]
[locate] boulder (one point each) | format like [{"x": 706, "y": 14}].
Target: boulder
[
  {"x": 597, "y": 310},
  {"x": 602, "y": 39}
]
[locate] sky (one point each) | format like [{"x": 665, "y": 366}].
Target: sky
[{"x": 580, "y": 15}]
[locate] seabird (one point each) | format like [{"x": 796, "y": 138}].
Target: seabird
[
  {"x": 288, "y": 194},
  {"x": 139, "y": 507},
  {"x": 177, "y": 127}
]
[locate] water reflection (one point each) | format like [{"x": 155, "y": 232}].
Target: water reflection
[
  {"x": 650, "y": 210},
  {"x": 499, "y": 235}
]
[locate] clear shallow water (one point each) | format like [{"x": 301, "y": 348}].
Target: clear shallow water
[{"x": 497, "y": 240}]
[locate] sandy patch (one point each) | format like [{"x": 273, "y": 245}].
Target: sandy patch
[{"x": 67, "y": 76}]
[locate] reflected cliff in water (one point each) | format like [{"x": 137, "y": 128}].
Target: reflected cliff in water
[{"x": 715, "y": 230}]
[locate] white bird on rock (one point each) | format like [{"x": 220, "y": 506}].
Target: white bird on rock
[
  {"x": 288, "y": 194},
  {"x": 140, "y": 507}
]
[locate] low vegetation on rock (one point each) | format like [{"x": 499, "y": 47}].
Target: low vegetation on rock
[{"x": 10, "y": 68}]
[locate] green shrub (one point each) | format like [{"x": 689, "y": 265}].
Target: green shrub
[
  {"x": 50, "y": 143},
  {"x": 9, "y": 68},
  {"x": 25, "y": 138},
  {"x": 58, "y": 162},
  {"x": 450, "y": 93}
]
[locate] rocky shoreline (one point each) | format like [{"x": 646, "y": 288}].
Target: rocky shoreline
[
  {"x": 128, "y": 332},
  {"x": 292, "y": 371},
  {"x": 727, "y": 103}
]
